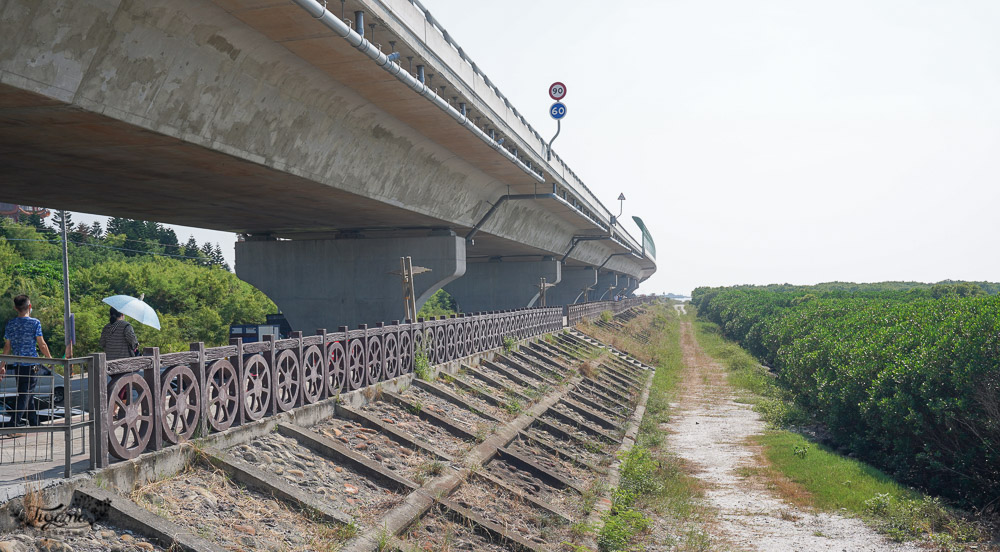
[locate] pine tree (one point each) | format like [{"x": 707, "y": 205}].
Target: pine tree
[
  {"x": 116, "y": 225},
  {"x": 191, "y": 248},
  {"x": 207, "y": 252},
  {"x": 35, "y": 220},
  {"x": 81, "y": 232},
  {"x": 57, "y": 220},
  {"x": 218, "y": 258},
  {"x": 96, "y": 230}
]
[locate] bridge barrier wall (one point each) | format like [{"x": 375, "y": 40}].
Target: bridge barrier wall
[{"x": 157, "y": 400}]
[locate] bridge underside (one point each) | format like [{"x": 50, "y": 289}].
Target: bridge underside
[
  {"x": 105, "y": 166},
  {"x": 248, "y": 116}
]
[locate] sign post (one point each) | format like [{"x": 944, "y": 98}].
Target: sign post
[{"x": 557, "y": 91}]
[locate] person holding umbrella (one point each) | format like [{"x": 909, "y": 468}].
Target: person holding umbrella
[{"x": 118, "y": 337}]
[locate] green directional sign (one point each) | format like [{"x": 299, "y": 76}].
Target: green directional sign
[{"x": 647, "y": 238}]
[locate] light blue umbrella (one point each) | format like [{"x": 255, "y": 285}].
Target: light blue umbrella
[{"x": 134, "y": 308}]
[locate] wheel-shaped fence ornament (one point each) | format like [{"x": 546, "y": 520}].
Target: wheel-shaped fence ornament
[
  {"x": 405, "y": 353},
  {"x": 390, "y": 360},
  {"x": 336, "y": 376},
  {"x": 356, "y": 364},
  {"x": 256, "y": 387},
  {"x": 287, "y": 387},
  {"x": 460, "y": 340},
  {"x": 477, "y": 337},
  {"x": 130, "y": 412},
  {"x": 469, "y": 346},
  {"x": 223, "y": 395},
  {"x": 374, "y": 370},
  {"x": 430, "y": 344},
  {"x": 180, "y": 398},
  {"x": 490, "y": 333},
  {"x": 312, "y": 374},
  {"x": 440, "y": 345},
  {"x": 451, "y": 338}
]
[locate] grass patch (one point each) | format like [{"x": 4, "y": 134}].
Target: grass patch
[
  {"x": 422, "y": 367},
  {"x": 743, "y": 372},
  {"x": 836, "y": 483},
  {"x": 652, "y": 480}
]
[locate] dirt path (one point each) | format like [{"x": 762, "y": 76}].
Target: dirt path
[{"x": 709, "y": 430}]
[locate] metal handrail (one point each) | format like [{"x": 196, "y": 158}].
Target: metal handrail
[{"x": 68, "y": 425}]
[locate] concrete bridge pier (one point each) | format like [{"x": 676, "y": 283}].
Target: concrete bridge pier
[
  {"x": 571, "y": 289},
  {"x": 606, "y": 284},
  {"x": 503, "y": 285},
  {"x": 345, "y": 282},
  {"x": 627, "y": 285}
]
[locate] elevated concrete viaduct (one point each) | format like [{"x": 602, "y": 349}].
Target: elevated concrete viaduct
[{"x": 255, "y": 117}]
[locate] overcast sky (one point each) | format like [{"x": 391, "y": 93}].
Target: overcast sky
[
  {"x": 766, "y": 141},
  {"x": 769, "y": 141}
]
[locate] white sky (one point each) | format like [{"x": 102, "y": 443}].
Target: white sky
[
  {"x": 769, "y": 141},
  {"x": 766, "y": 141}
]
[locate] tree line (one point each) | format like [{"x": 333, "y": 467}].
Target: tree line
[
  {"x": 131, "y": 237},
  {"x": 196, "y": 299},
  {"x": 906, "y": 377}
]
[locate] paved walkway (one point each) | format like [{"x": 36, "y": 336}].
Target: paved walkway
[{"x": 39, "y": 459}]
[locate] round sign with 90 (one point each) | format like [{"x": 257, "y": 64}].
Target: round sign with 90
[{"x": 557, "y": 91}]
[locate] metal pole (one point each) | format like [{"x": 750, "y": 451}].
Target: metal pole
[
  {"x": 412, "y": 292},
  {"x": 406, "y": 289},
  {"x": 67, "y": 406},
  {"x": 548, "y": 155},
  {"x": 66, "y": 309}
]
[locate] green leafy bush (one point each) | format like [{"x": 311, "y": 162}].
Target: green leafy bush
[{"x": 907, "y": 377}]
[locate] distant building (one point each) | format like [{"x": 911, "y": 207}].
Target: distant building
[{"x": 17, "y": 212}]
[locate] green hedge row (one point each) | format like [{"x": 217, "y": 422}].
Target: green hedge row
[{"x": 908, "y": 380}]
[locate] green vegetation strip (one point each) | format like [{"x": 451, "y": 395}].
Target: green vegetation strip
[
  {"x": 907, "y": 378},
  {"x": 822, "y": 478},
  {"x": 653, "y": 489}
]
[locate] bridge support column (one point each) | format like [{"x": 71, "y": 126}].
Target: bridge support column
[
  {"x": 346, "y": 282},
  {"x": 627, "y": 285},
  {"x": 573, "y": 285},
  {"x": 606, "y": 284},
  {"x": 503, "y": 285}
]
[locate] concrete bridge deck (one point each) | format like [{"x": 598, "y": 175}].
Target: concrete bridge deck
[{"x": 254, "y": 117}]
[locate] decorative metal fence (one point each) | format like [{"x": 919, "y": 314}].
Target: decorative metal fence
[
  {"x": 158, "y": 400},
  {"x": 580, "y": 311},
  {"x": 161, "y": 399}
]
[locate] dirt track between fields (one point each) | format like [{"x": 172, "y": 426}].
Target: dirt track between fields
[{"x": 710, "y": 431}]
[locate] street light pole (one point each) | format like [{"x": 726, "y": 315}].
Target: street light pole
[{"x": 67, "y": 329}]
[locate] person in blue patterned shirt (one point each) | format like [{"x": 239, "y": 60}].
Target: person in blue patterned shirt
[{"x": 21, "y": 336}]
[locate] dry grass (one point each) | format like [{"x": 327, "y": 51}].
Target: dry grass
[
  {"x": 31, "y": 504},
  {"x": 372, "y": 393},
  {"x": 591, "y": 368},
  {"x": 256, "y": 516}
]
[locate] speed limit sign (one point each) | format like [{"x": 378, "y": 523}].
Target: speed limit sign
[
  {"x": 557, "y": 91},
  {"x": 558, "y": 110}
]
